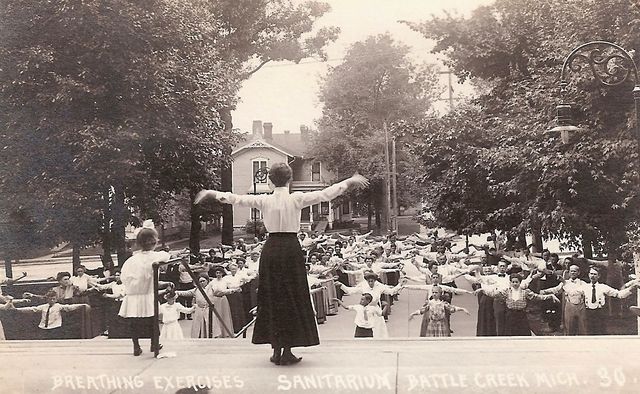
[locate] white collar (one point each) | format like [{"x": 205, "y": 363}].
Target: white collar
[{"x": 281, "y": 190}]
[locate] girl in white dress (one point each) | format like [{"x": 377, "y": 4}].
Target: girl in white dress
[
  {"x": 137, "y": 277},
  {"x": 170, "y": 312}
]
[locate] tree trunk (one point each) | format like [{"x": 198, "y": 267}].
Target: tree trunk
[
  {"x": 75, "y": 259},
  {"x": 369, "y": 215},
  {"x": 196, "y": 226},
  {"x": 119, "y": 223},
  {"x": 537, "y": 240},
  {"x": 384, "y": 220},
  {"x": 522, "y": 240},
  {"x": 587, "y": 247},
  {"x": 8, "y": 269},
  {"x": 107, "y": 261},
  {"x": 378, "y": 219},
  {"x": 226, "y": 183},
  {"x": 512, "y": 241},
  {"x": 163, "y": 242}
]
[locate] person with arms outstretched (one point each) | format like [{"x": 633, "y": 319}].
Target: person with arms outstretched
[{"x": 285, "y": 317}]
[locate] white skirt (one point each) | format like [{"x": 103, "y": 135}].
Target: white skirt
[
  {"x": 171, "y": 330},
  {"x": 137, "y": 305}
]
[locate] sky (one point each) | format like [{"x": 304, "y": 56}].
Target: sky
[{"x": 286, "y": 94}]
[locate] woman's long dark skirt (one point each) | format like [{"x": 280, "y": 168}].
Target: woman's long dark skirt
[
  {"x": 517, "y": 323},
  {"x": 285, "y": 314},
  {"x": 486, "y": 325},
  {"x": 238, "y": 315}
]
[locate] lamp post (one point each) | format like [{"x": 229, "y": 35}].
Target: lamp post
[
  {"x": 611, "y": 65},
  {"x": 259, "y": 176}
]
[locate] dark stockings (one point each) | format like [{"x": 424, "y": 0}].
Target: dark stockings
[{"x": 138, "y": 327}]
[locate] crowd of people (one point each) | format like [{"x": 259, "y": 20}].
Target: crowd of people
[
  {"x": 376, "y": 268},
  {"x": 568, "y": 295}
]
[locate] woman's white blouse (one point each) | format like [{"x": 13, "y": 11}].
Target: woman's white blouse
[{"x": 281, "y": 210}]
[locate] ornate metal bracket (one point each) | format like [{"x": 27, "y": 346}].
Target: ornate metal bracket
[
  {"x": 261, "y": 175},
  {"x": 609, "y": 63}
]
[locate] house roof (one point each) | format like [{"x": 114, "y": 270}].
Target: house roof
[{"x": 289, "y": 144}]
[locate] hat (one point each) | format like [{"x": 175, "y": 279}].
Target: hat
[
  {"x": 370, "y": 275},
  {"x": 215, "y": 270}
]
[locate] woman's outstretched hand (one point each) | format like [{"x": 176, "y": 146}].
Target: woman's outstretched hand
[
  {"x": 204, "y": 194},
  {"x": 358, "y": 181}
]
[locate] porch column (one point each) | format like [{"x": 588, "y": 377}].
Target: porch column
[{"x": 330, "y": 217}]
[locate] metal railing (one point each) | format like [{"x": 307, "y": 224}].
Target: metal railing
[
  {"x": 155, "y": 336},
  {"x": 243, "y": 330}
]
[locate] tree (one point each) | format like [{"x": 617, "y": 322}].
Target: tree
[
  {"x": 252, "y": 34},
  {"x": 376, "y": 85},
  {"x": 513, "y": 51},
  {"x": 107, "y": 107}
]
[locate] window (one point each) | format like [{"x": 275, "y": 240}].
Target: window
[
  {"x": 256, "y": 214},
  {"x": 315, "y": 172},
  {"x": 256, "y": 165},
  {"x": 346, "y": 208}
]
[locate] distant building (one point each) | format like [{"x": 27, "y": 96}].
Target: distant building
[{"x": 262, "y": 148}]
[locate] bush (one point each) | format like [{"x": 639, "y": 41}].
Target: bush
[
  {"x": 338, "y": 225},
  {"x": 255, "y": 228}
]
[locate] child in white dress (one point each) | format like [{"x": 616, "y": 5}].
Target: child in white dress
[{"x": 170, "y": 312}]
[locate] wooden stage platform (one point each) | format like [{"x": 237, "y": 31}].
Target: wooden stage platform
[{"x": 456, "y": 365}]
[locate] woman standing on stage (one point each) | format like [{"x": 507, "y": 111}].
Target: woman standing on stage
[{"x": 285, "y": 316}]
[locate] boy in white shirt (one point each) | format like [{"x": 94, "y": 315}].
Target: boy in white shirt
[
  {"x": 51, "y": 312},
  {"x": 364, "y": 313}
]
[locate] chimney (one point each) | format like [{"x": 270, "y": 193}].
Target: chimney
[
  {"x": 268, "y": 130},
  {"x": 257, "y": 127},
  {"x": 287, "y": 132},
  {"x": 304, "y": 132}
]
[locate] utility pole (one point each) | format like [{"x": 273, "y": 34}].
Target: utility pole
[
  {"x": 394, "y": 183},
  {"x": 387, "y": 205},
  {"x": 450, "y": 97}
]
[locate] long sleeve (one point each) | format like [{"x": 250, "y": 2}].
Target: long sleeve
[
  {"x": 72, "y": 307},
  {"x": 611, "y": 292},
  {"x": 454, "y": 290},
  {"x": 245, "y": 200},
  {"x": 328, "y": 194},
  {"x": 493, "y": 292},
  {"x": 552, "y": 290},
  {"x": 186, "y": 293},
  {"x": 390, "y": 290},
  {"x": 350, "y": 290},
  {"x": 526, "y": 282},
  {"x": 29, "y": 309},
  {"x": 419, "y": 287},
  {"x": 530, "y": 295}
]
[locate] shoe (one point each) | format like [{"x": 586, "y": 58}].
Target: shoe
[
  {"x": 137, "y": 351},
  {"x": 290, "y": 360},
  {"x": 151, "y": 349},
  {"x": 275, "y": 359},
  {"x": 189, "y": 318}
]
